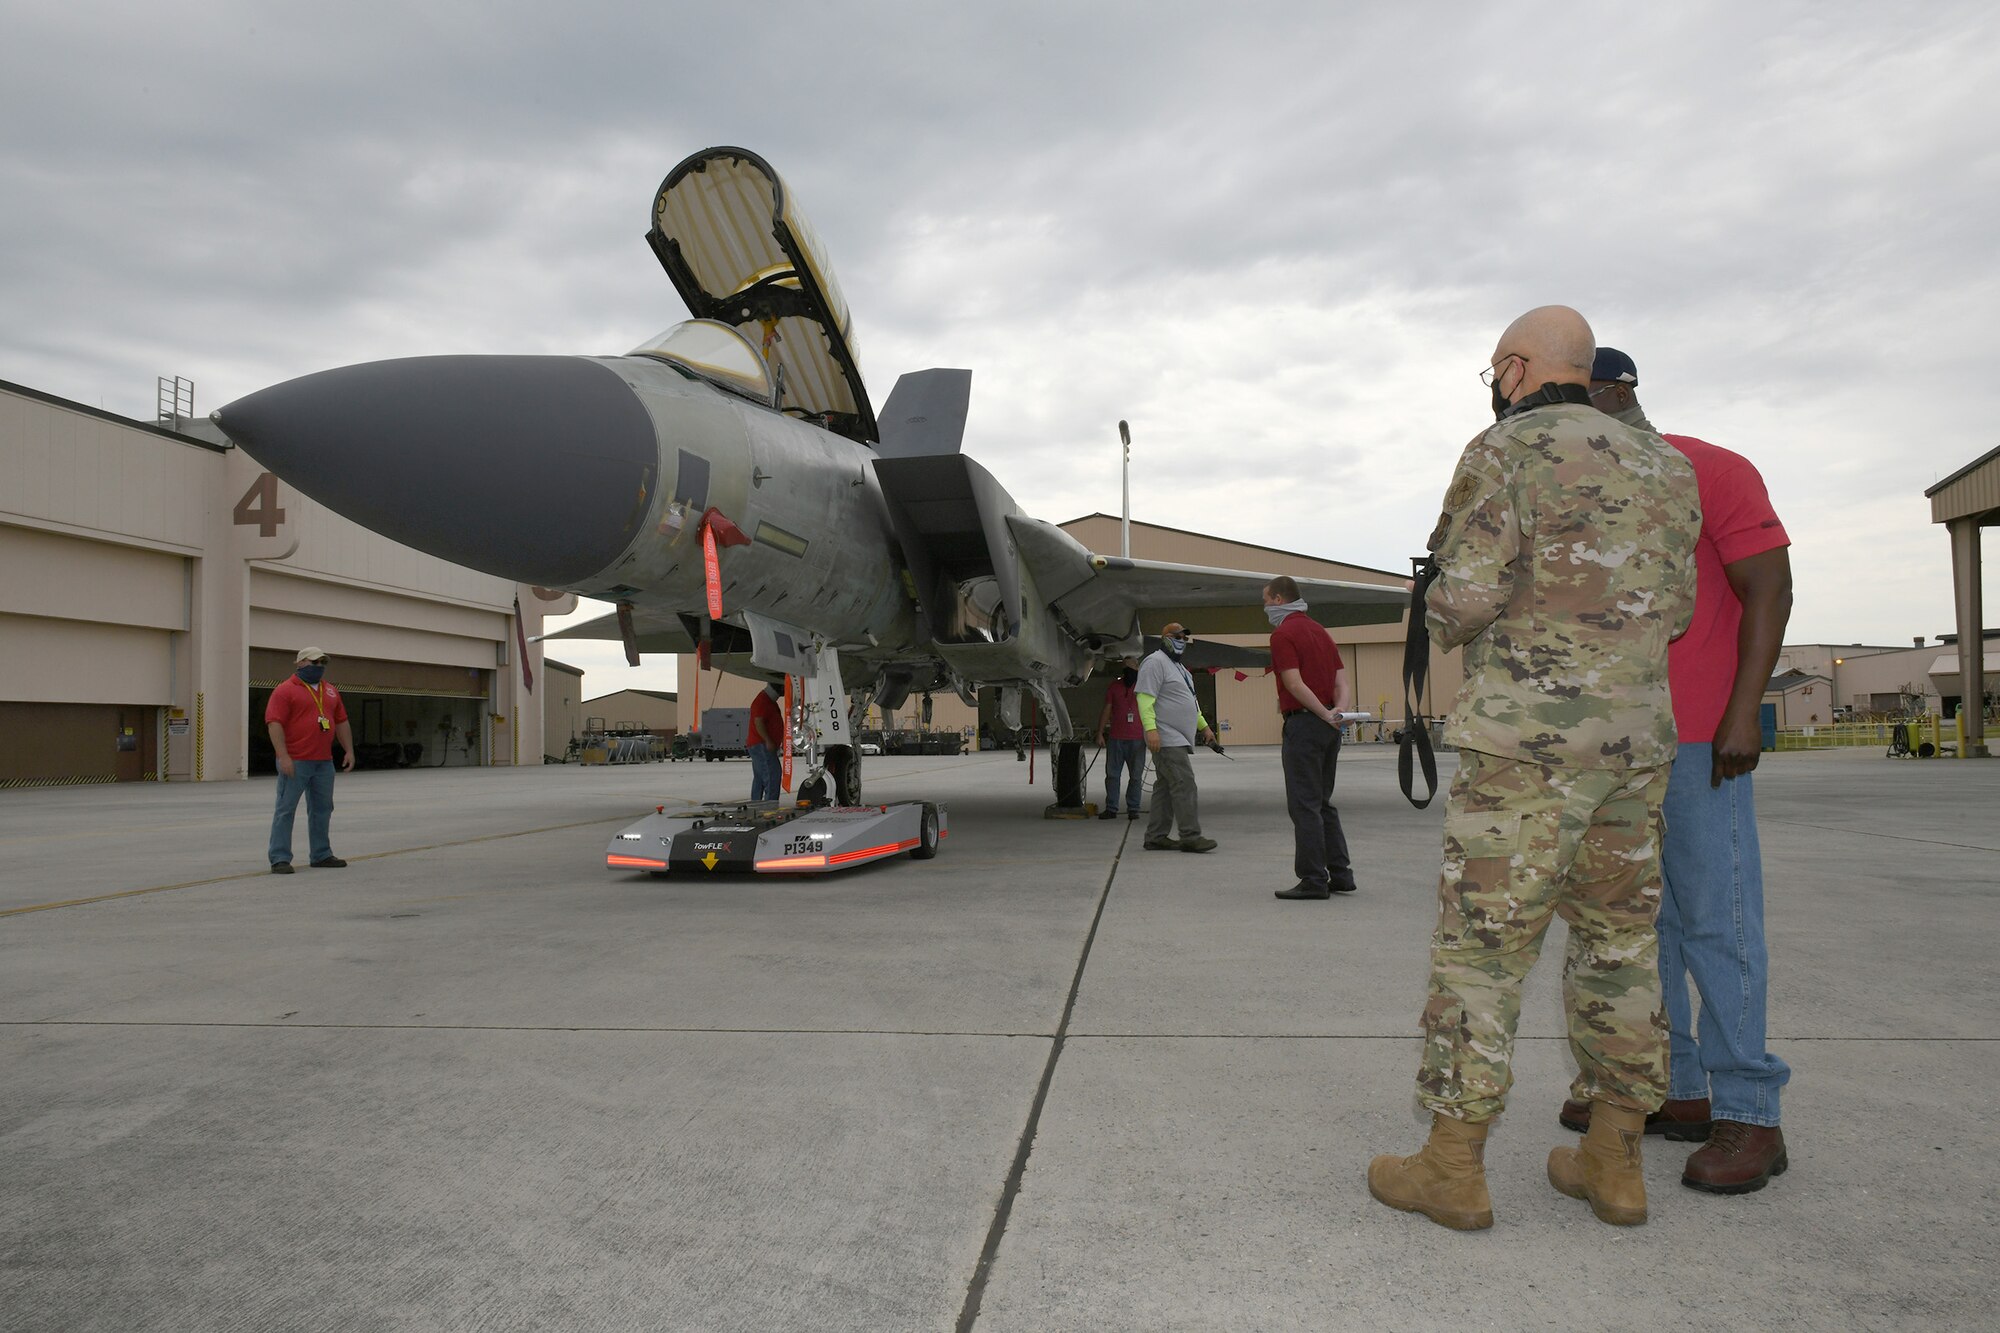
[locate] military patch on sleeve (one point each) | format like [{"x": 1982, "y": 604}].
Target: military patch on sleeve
[
  {"x": 1463, "y": 488},
  {"x": 1438, "y": 532}
]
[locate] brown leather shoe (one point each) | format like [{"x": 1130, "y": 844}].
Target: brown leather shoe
[
  {"x": 1737, "y": 1159},
  {"x": 1682, "y": 1121}
]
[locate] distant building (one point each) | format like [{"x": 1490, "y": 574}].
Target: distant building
[{"x": 654, "y": 710}]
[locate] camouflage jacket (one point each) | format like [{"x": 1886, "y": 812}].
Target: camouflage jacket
[{"x": 1565, "y": 564}]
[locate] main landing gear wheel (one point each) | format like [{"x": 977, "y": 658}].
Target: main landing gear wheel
[
  {"x": 1069, "y": 773},
  {"x": 927, "y": 835}
]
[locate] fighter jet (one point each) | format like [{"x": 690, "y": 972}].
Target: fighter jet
[{"x": 729, "y": 487}]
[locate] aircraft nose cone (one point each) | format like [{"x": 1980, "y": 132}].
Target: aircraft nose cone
[{"x": 534, "y": 468}]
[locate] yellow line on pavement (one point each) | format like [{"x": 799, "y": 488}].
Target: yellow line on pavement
[{"x": 266, "y": 874}]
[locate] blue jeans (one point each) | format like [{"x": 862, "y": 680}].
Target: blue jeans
[
  {"x": 312, "y": 779},
  {"x": 1128, "y": 755},
  {"x": 1712, "y": 929},
  {"x": 765, "y": 773}
]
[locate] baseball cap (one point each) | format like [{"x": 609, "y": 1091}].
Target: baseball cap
[
  {"x": 310, "y": 655},
  {"x": 1612, "y": 364}
]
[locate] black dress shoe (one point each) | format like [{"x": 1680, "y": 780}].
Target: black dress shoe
[
  {"x": 329, "y": 863},
  {"x": 281, "y": 867},
  {"x": 1341, "y": 888},
  {"x": 1302, "y": 893}
]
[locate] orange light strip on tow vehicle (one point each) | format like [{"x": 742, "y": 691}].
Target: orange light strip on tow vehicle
[
  {"x": 635, "y": 862},
  {"x": 793, "y": 863},
  {"x": 886, "y": 849}
]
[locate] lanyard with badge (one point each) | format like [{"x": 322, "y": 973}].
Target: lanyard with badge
[{"x": 319, "y": 703}]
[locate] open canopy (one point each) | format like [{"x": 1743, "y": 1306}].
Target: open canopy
[{"x": 739, "y": 251}]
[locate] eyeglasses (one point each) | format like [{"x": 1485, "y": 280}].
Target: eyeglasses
[{"x": 1493, "y": 372}]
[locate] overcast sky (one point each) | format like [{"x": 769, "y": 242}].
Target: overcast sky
[{"x": 1279, "y": 239}]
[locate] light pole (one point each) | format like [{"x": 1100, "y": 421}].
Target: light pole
[{"x": 1125, "y": 521}]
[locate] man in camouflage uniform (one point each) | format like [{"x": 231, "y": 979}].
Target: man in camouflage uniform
[{"x": 1565, "y": 562}]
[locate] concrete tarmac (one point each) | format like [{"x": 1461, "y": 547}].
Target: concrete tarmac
[{"x": 475, "y": 1081}]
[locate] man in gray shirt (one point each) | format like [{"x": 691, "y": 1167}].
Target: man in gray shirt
[{"x": 1174, "y": 724}]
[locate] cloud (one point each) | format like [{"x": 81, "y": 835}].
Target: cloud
[{"x": 1280, "y": 244}]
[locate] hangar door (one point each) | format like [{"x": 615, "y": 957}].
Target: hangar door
[{"x": 404, "y": 714}]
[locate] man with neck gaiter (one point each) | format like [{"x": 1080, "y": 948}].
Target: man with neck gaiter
[
  {"x": 1313, "y": 691},
  {"x": 1172, "y": 718}
]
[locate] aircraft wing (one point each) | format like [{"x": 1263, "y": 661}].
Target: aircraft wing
[{"x": 1102, "y": 594}]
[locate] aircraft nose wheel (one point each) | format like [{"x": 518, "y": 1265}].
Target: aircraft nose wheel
[
  {"x": 813, "y": 791},
  {"x": 927, "y": 835},
  {"x": 844, "y": 763}
]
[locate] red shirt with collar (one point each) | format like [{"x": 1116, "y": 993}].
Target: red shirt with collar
[
  {"x": 766, "y": 708},
  {"x": 298, "y": 707},
  {"x": 1737, "y": 522},
  {"x": 1301, "y": 643}
]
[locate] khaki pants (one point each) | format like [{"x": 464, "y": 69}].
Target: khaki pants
[
  {"x": 1524, "y": 843},
  {"x": 1173, "y": 794}
]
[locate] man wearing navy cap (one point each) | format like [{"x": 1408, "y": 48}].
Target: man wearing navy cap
[{"x": 1723, "y": 1085}]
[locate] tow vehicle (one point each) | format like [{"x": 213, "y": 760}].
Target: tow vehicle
[{"x": 773, "y": 838}]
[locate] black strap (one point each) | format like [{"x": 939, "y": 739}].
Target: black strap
[{"x": 1416, "y": 732}]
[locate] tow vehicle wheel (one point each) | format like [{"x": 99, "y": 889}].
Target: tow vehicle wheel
[
  {"x": 927, "y": 835},
  {"x": 844, "y": 762}
]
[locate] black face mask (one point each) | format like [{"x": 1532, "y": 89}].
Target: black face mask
[
  {"x": 1129, "y": 676},
  {"x": 1499, "y": 401}
]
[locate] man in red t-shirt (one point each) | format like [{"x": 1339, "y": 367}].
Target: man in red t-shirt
[
  {"x": 1313, "y": 691},
  {"x": 1123, "y": 735},
  {"x": 1723, "y": 1085},
  {"x": 767, "y": 734},
  {"x": 305, "y": 716}
]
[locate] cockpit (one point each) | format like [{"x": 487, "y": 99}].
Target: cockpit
[{"x": 712, "y": 351}]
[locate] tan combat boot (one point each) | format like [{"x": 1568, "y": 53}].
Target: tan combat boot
[
  {"x": 1446, "y": 1182},
  {"x": 1605, "y": 1168}
]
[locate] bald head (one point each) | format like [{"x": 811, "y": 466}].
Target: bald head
[{"x": 1552, "y": 344}]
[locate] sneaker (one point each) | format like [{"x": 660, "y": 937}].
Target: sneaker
[
  {"x": 1161, "y": 845},
  {"x": 1198, "y": 844},
  {"x": 1107, "y": 814},
  {"x": 1133, "y": 814},
  {"x": 1302, "y": 891},
  {"x": 281, "y": 867},
  {"x": 329, "y": 863}
]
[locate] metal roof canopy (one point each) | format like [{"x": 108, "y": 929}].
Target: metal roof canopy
[{"x": 1965, "y": 502}]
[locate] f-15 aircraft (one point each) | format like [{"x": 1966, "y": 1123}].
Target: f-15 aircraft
[{"x": 730, "y": 488}]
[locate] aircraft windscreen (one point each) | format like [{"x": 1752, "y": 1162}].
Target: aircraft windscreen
[{"x": 716, "y": 352}]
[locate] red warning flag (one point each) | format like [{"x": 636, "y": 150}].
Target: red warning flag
[
  {"x": 785, "y": 742},
  {"x": 711, "y": 570}
]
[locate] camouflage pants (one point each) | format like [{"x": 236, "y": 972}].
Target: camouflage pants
[{"x": 1524, "y": 842}]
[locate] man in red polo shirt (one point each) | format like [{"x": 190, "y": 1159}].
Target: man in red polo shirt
[
  {"x": 1313, "y": 690},
  {"x": 766, "y": 744},
  {"x": 1723, "y": 1084},
  {"x": 305, "y": 716}
]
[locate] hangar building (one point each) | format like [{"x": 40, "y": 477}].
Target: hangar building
[{"x": 159, "y": 583}]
